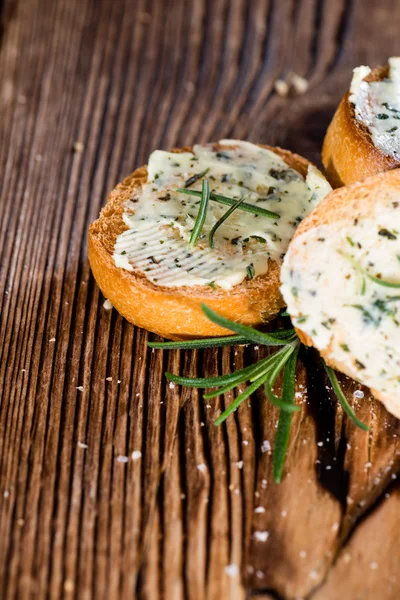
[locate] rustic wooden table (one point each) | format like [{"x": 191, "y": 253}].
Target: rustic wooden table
[{"x": 88, "y": 89}]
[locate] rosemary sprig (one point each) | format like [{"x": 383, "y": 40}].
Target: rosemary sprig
[
  {"x": 201, "y": 215},
  {"x": 222, "y": 219},
  {"x": 342, "y": 398},
  {"x": 263, "y": 373},
  {"x": 251, "y": 208}
]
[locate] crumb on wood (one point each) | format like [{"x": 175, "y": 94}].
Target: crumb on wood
[
  {"x": 78, "y": 147},
  {"x": 281, "y": 87}
]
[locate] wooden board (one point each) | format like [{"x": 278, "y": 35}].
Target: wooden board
[{"x": 88, "y": 89}]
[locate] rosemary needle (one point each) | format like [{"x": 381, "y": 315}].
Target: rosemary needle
[
  {"x": 277, "y": 338},
  {"x": 201, "y": 215},
  {"x": 222, "y": 219},
  {"x": 256, "y": 210},
  {"x": 378, "y": 280},
  {"x": 342, "y": 399},
  {"x": 285, "y": 418},
  {"x": 228, "y": 340}
]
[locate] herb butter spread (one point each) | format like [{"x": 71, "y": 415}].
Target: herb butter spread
[
  {"x": 330, "y": 283},
  {"x": 377, "y": 106},
  {"x": 160, "y": 220}
]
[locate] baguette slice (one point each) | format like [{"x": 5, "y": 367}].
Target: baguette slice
[
  {"x": 175, "y": 312},
  {"x": 348, "y": 152},
  {"x": 327, "y": 276}
]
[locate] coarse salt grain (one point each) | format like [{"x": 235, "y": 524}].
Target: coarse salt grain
[
  {"x": 239, "y": 464},
  {"x": 259, "y": 509},
  {"x": 52, "y": 339},
  {"x": 281, "y": 87},
  {"x": 107, "y": 304},
  {"x": 299, "y": 83},
  {"x": 260, "y": 574},
  {"x": 261, "y": 536},
  {"x": 80, "y": 388},
  {"x": 202, "y": 467},
  {"x": 136, "y": 454},
  {"x": 231, "y": 570},
  {"x": 373, "y": 566},
  {"x": 171, "y": 385},
  {"x": 358, "y": 394},
  {"x": 82, "y": 445},
  {"x": 122, "y": 459},
  {"x": 266, "y": 446}
]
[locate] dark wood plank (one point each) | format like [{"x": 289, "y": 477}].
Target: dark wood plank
[{"x": 114, "y": 484}]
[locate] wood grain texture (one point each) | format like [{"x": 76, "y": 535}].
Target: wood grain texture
[{"x": 194, "y": 512}]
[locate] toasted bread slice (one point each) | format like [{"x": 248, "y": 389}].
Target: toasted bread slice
[
  {"x": 349, "y": 153},
  {"x": 175, "y": 312},
  {"x": 341, "y": 282}
]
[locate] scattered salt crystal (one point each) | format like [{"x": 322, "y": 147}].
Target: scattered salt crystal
[
  {"x": 259, "y": 574},
  {"x": 202, "y": 467},
  {"x": 261, "y": 536},
  {"x": 266, "y": 446},
  {"x": 136, "y": 454},
  {"x": 232, "y": 570},
  {"x": 52, "y": 339},
  {"x": 368, "y": 465},
  {"x": 320, "y": 444},
  {"x": 335, "y": 526},
  {"x": 394, "y": 476},
  {"x": 6, "y": 493},
  {"x": 314, "y": 575},
  {"x": 264, "y": 483},
  {"x": 80, "y": 388},
  {"x": 328, "y": 467},
  {"x": 259, "y": 509},
  {"x": 281, "y": 87},
  {"x": 373, "y": 566},
  {"x": 256, "y": 347},
  {"x": 302, "y": 553},
  {"x": 122, "y": 459},
  {"x": 82, "y": 445},
  {"x": 171, "y": 385},
  {"x": 119, "y": 381},
  {"x": 108, "y": 378},
  {"x": 107, "y": 304},
  {"x": 239, "y": 464},
  {"x": 284, "y": 513},
  {"x": 347, "y": 557},
  {"x": 358, "y": 394},
  {"x": 299, "y": 83},
  {"x": 245, "y": 443},
  {"x": 250, "y": 569}
]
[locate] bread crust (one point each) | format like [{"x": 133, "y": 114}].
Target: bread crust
[
  {"x": 348, "y": 152},
  {"x": 175, "y": 313},
  {"x": 346, "y": 204}
]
